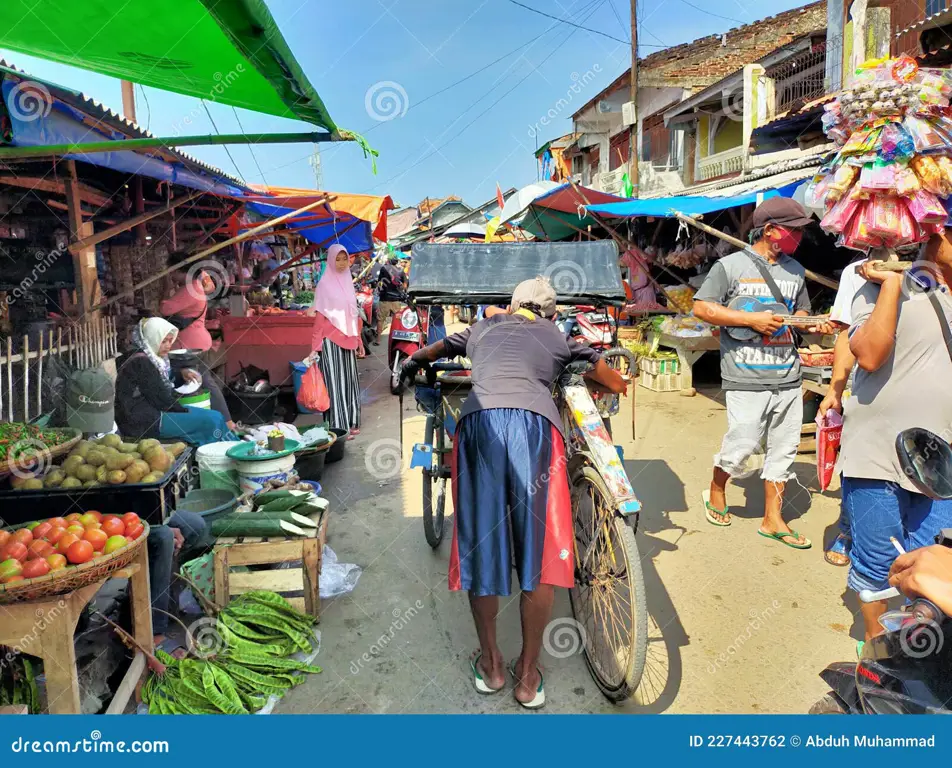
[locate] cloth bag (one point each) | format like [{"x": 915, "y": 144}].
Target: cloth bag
[
  {"x": 313, "y": 392},
  {"x": 829, "y": 432}
]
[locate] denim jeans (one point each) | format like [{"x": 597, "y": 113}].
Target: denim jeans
[
  {"x": 197, "y": 426},
  {"x": 161, "y": 546}
]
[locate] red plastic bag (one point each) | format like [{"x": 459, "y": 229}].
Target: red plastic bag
[
  {"x": 829, "y": 431},
  {"x": 313, "y": 392}
]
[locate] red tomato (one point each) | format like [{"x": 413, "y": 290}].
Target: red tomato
[
  {"x": 40, "y": 549},
  {"x": 57, "y": 562},
  {"x": 95, "y": 514},
  {"x": 41, "y": 530},
  {"x": 97, "y": 537},
  {"x": 73, "y": 517},
  {"x": 10, "y": 579},
  {"x": 5, "y": 536},
  {"x": 113, "y": 526},
  {"x": 129, "y": 518},
  {"x": 15, "y": 550},
  {"x": 58, "y": 522},
  {"x": 10, "y": 568},
  {"x": 76, "y": 529},
  {"x": 133, "y": 532},
  {"x": 89, "y": 518},
  {"x": 79, "y": 552},
  {"x": 94, "y": 525},
  {"x": 55, "y": 534},
  {"x": 115, "y": 543},
  {"x": 24, "y": 536},
  {"x": 65, "y": 542},
  {"x": 36, "y": 568}
]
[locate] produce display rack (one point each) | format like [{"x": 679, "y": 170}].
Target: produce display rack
[{"x": 231, "y": 552}]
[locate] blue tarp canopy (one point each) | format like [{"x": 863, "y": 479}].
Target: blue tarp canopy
[
  {"x": 692, "y": 206},
  {"x": 323, "y": 226}
]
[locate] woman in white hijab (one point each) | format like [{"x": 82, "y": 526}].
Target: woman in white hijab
[{"x": 146, "y": 401}]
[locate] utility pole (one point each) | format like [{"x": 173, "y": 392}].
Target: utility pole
[
  {"x": 128, "y": 101},
  {"x": 129, "y": 112},
  {"x": 633, "y": 141}
]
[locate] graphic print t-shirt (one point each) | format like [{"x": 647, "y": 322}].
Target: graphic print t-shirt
[{"x": 760, "y": 364}]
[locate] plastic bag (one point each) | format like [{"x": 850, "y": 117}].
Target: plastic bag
[
  {"x": 829, "y": 431},
  {"x": 926, "y": 208},
  {"x": 839, "y": 216},
  {"x": 884, "y": 217},
  {"x": 313, "y": 393}
]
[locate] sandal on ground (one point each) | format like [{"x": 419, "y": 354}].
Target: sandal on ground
[
  {"x": 840, "y": 546},
  {"x": 709, "y": 508},
  {"x": 478, "y": 682},
  {"x": 782, "y": 537},
  {"x": 538, "y": 701}
]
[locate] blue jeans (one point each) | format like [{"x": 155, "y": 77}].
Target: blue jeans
[
  {"x": 161, "y": 546},
  {"x": 197, "y": 426},
  {"x": 878, "y": 510}
]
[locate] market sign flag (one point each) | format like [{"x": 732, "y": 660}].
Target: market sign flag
[{"x": 230, "y": 51}]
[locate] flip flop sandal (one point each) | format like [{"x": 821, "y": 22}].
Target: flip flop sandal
[
  {"x": 478, "y": 682},
  {"x": 709, "y": 508},
  {"x": 538, "y": 701},
  {"x": 840, "y": 546},
  {"x": 784, "y": 535}
]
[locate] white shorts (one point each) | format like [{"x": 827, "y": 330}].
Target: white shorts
[{"x": 762, "y": 420}]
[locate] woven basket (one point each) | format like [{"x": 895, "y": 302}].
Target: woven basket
[
  {"x": 631, "y": 333},
  {"x": 8, "y": 467},
  {"x": 71, "y": 579}
]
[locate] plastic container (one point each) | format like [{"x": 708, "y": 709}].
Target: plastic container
[
  {"x": 253, "y": 407},
  {"x": 210, "y": 503},
  {"x": 297, "y": 373},
  {"x": 215, "y": 469},
  {"x": 200, "y": 399},
  {"x": 254, "y": 473},
  {"x": 336, "y": 451}
]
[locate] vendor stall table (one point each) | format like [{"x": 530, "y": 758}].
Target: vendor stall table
[
  {"x": 689, "y": 350},
  {"x": 53, "y": 638},
  {"x": 231, "y": 552},
  {"x": 270, "y": 342}
]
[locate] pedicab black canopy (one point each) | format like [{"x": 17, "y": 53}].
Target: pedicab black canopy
[{"x": 487, "y": 273}]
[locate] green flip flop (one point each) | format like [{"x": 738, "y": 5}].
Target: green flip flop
[
  {"x": 478, "y": 682},
  {"x": 538, "y": 701},
  {"x": 782, "y": 537},
  {"x": 709, "y": 508}
]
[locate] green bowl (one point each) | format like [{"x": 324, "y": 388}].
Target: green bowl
[{"x": 243, "y": 452}]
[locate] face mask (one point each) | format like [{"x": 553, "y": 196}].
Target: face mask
[{"x": 788, "y": 240}]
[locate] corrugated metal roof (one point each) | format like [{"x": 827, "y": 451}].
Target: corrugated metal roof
[
  {"x": 935, "y": 20},
  {"x": 774, "y": 175}
]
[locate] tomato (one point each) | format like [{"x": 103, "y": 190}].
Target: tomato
[
  {"x": 55, "y": 534},
  {"x": 15, "y": 550},
  {"x": 57, "y": 562},
  {"x": 97, "y": 537},
  {"x": 65, "y": 542},
  {"x": 11, "y": 578},
  {"x": 93, "y": 526},
  {"x": 58, "y": 522},
  {"x": 90, "y": 518},
  {"x": 134, "y": 531},
  {"x": 76, "y": 529},
  {"x": 36, "y": 568},
  {"x": 73, "y": 517},
  {"x": 79, "y": 552},
  {"x": 41, "y": 530},
  {"x": 114, "y": 543},
  {"x": 24, "y": 536},
  {"x": 113, "y": 526},
  {"x": 31, "y": 526},
  {"x": 10, "y": 568},
  {"x": 129, "y": 518},
  {"x": 95, "y": 514},
  {"x": 40, "y": 549},
  {"x": 5, "y": 536}
]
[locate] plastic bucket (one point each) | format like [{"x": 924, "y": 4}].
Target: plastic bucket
[
  {"x": 297, "y": 373},
  {"x": 210, "y": 503},
  {"x": 215, "y": 469},
  {"x": 200, "y": 399},
  {"x": 252, "y": 475}
]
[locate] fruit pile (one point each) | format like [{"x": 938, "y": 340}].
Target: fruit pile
[
  {"x": 107, "y": 461},
  {"x": 63, "y": 542}
]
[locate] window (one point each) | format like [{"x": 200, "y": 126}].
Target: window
[{"x": 934, "y": 6}]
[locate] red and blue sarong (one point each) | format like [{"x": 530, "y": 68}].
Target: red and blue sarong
[{"x": 511, "y": 496}]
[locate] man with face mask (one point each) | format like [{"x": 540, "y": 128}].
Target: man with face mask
[{"x": 761, "y": 378}]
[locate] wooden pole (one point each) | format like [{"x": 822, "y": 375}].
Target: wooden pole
[
  {"x": 633, "y": 97},
  {"x": 210, "y": 251},
  {"x": 128, "y": 101}
]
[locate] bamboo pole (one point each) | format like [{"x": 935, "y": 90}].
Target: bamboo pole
[
  {"x": 209, "y": 251},
  {"x": 128, "y": 224},
  {"x": 26, "y": 378},
  {"x": 10, "y": 377},
  {"x": 39, "y": 377}
]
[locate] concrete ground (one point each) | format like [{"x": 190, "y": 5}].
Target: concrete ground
[{"x": 737, "y": 623}]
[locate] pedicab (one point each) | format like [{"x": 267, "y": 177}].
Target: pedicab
[{"x": 608, "y": 599}]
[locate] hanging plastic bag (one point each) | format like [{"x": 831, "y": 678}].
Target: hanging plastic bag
[
  {"x": 313, "y": 392},
  {"x": 829, "y": 431}
]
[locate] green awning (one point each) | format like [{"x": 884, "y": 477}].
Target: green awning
[{"x": 229, "y": 51}]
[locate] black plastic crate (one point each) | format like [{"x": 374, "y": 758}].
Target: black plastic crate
[{"x": 153, "y": 503}]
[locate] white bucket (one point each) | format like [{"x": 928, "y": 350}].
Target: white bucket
[
  {"x": 252, "y": 475},
  {"x": 215, "y": 469}
]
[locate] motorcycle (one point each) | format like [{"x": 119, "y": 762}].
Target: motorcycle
[
  {"x": 368, "y": 316},
  {"x": 905, "y": 670},
  {"x": 588, "y": 326},
  {"x": 408, "y": 333}
]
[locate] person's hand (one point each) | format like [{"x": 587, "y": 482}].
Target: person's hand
[
  {"x": 191, "y": 376},
  {"x": 925, "y": 572},
  {"x": 409, "y": 370},
  {"x": 832, "y": 402},
  {"x": 881, "y": 276},
  {"x": 178, "y": 538},
  {"x": 232, "y": 426},
  {"x": 765, "y": 323},
  {"x": 825, "y": 328}
]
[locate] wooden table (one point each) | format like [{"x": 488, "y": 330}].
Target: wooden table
[
  {"x": 50, "y": 623},
  {"x": 689, "y": 350}
]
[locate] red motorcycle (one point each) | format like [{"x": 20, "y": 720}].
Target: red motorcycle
[
  {"x": 408, "y": 331},
  {"x": 368, "y": 315},
  {"x": 590, "y": 327}
]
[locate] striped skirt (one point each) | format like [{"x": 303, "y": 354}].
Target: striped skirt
[{"x": 339, "y": 368}]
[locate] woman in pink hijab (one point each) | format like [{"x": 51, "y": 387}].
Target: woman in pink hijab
[{"x": 337, "y": 337}]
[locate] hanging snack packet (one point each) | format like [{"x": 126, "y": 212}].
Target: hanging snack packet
[
  {"x": 896, "y": 143},
  {"x": 926, "y": 208},
  {"x": 858, "y": 234},
  {"x": 879, "y": 177},
  {"x": 857, "y": 143},
  {"x": 838, "y": 218},
  {"x": 929, "y": 173},
  {"x": 924, "y": 136},
  {"x": 908, "y": 231},
  {"x": 907, "y": 183},
  {"x": 883, "y": 217}
]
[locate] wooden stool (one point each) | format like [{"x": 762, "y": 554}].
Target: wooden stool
[
  {"x": 51, "y": 622},
  {"x": 255, "y": 550}
]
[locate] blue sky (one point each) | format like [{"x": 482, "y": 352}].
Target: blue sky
[{"x": 372, "y": 59}]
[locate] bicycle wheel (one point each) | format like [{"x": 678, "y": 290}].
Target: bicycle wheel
[
  {"x": 434, "y": 487},
  {"x": 608, "y": 599}
]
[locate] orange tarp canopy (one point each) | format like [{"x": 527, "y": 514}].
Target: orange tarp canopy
[{"x": 367, "y": 207}]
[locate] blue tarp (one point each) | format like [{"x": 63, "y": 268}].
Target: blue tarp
[
  {"x": 63, "y": 125},
  {"x": 357, "y": 238},
  {"x": 692, "y": 206}
]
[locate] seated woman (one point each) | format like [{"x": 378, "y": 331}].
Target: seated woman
[{"x": 146, "y": 401}]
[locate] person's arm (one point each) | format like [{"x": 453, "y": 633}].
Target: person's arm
[
  {"x": 149, "y": 382},
  {"x": 431, "y": 353},
  {"x": 710, "y": 300},
  {"x": 179, "y": 303},
  {"x": 843, "y": 362},
  {"x": 607, "y": 378},
  {"x": 872, "y": 342},
  {"x": 491, "y": 311}
]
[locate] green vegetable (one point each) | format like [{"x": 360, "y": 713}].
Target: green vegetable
[{"x": 235, "y": 525}]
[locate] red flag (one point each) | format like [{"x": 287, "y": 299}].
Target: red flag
[{"x": 499, "y": 198}]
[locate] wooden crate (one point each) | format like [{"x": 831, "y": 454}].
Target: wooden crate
[
  {"x": 662, "y": 382},
  {"x": 658, "y": 366},
  {"x": 231, "y": 552}
]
